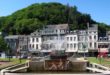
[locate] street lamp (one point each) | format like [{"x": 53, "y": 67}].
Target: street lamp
[
  {"x": 84, "y": 47},
  {"x": 8, "y": 52},
  {"x": 20, "y": 54}
]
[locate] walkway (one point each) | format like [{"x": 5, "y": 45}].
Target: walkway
[{"x": 48, "y": 74}]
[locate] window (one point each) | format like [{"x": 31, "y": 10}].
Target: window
[
  {"x": 67, "y": 38},
  {"x": 95, "y": 37},
  {"x": 90, "y": 44},
  {"x": 33, "y": 46},
  {"x": 62, "y": 37},
  {"x": 32, "y": 39},
  {"x": 67, "y": 45},
  {"x": 37, "y": 40},
  {"x": 25, "y": 47},
  {"x": 82, "y": 38},
  {"x": 71, "y": 45},
  {"x": 79, "y": 45},
  {"x": 60, "y": 30},
  {"x": 74, "y": 38},
  {"x": 89, "y": 32},
  {"x": 30, "y": 45},
  {"x": 71, "y": 38},
  {"x": 74, "y": 45},
  {"x": 64, "y": 30},
  {"x": 95, "y": 45},
  {"x": 36, "y": 46},
  {"x": 90, "y": 37},
  {"x": 56, "y": 31}
]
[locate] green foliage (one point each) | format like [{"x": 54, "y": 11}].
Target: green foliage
[
  {"x": 3, "y": 45},
  {"x": 103, "y": 28},
  {"x": 33, "y": 17}
]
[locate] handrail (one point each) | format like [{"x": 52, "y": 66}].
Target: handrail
[
  {"x": 97, "y": 68},
  {"x": 26, "y": 65}
]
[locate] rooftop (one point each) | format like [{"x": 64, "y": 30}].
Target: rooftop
[{"x": 57, "y": 26}]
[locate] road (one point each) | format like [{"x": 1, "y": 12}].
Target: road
[{"x": 45, "y": 74}]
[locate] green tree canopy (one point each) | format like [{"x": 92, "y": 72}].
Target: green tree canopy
[
  {"x": 3, "y": 45},
  {"x": 33, "y": 17}
]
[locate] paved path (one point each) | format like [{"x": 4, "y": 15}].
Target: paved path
[{"x": 46, "y": 74}]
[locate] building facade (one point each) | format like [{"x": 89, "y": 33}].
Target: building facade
[
  {"x": 51, "y": 36},
  {"x": 82, "y": 41},
  {"x": 17, "y": 43},
  {"x": 35, "y": 42},
  {"x": 71, "y": 41},
  {"x": 76, "y": 41},
  {"x": 93, "y": 37}
]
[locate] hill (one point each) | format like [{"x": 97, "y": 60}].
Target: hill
[{"x": 37, "y": 15}]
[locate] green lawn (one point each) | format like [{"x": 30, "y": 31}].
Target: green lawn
[
  {"x": 102, "y": 61},
  {"x": 13, "y": 61}
]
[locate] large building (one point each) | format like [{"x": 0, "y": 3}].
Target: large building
[
  {"x": 39, "y": 40},
  {"x": 35, "y": 42},
  {"x": 52, "y": 37},
  {"x": 81, "y": 41},
  {"x": 17, "y": 43},
  {"x": 71, "y": 41},
  {"x": 93, "y": 39}
]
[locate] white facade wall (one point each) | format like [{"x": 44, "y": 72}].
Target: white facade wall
[
  {"x": 74, "y": 42},
  {"x": 35, "y": 43},
  {"x": 71, "y": 42},
  {"x": 82, "y": 41},
  {"x": 92, "y": 40}
]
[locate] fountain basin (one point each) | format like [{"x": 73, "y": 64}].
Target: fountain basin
[{"x": 72, "y": 66}]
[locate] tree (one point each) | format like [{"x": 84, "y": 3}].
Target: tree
[
  {"x": 3, "y": 45},
  {"x": 33, "y": 17}
]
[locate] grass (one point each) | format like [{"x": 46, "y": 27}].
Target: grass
[
  {"x": 102, "y": 61},
  {"x": 13, "y": 61}
]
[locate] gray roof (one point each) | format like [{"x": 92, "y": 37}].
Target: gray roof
[
  {"x": 94, "y": 27},
  {"x": 15, "y": 36},
  {"x": 11, "y": 36},
  {"x": 58, "y": 26},
  {"x": 36, "y": 33},
  {"x": 108, "y": 32}
]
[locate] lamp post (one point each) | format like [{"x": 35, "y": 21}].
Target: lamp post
[
  {"x": 20, "y": 54},
  {"x": 8, "y": 52},
  {"x": 84, "y": 47},
  {"x": 85, "y": 44}
]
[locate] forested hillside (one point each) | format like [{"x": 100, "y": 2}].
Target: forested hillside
[{"x": 33, "y": 17}]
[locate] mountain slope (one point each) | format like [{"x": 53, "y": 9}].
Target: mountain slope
[{"x": 33, "y": 17}]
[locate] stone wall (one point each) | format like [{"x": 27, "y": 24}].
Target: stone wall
[
  {"x": 35, "y": 66},
  {"x": 78, "y": 66},
  {"x": 74, "y": 66}
]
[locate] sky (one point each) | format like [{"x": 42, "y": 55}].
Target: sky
[{"x": 98, "y": 9}]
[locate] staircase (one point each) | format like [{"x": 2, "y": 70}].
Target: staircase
[
  {"x": 16, "y": 68},
  {"x": 93, "y": 67}
]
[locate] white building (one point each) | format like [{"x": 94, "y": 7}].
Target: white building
[
  {"x": 82, "y": 41},
  {"x": 71, "y": 42},
  {"x": 93, "y": 39},
  {"x": 41, "y": 40},
  {"x": 76, "y": 41},
  {"x": 35, "y": 42},
  {"x": 103, "y": 44}
]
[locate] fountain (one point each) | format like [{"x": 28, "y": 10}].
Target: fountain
[{"x": 57, "y": 60}]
